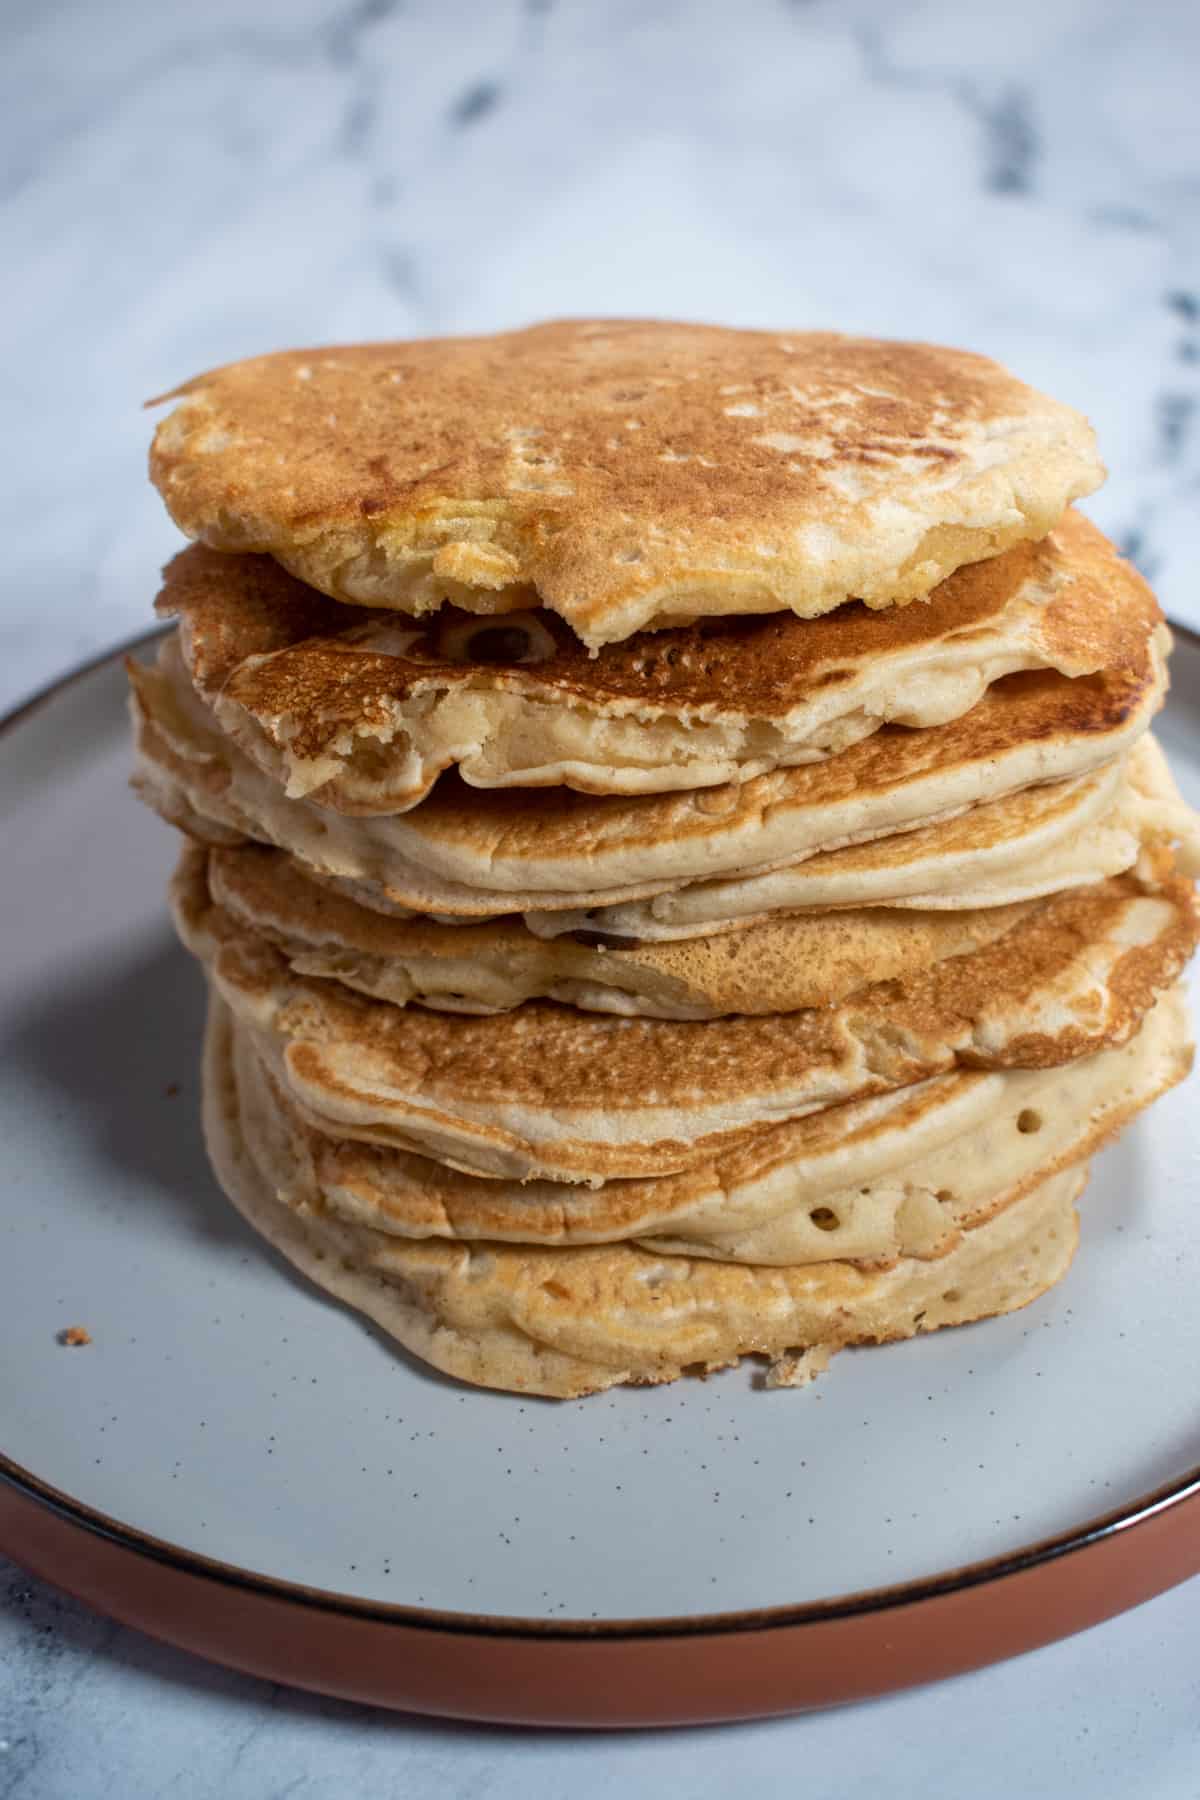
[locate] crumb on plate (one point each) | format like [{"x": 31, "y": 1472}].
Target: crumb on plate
[{"x": 796, "y": 1368}]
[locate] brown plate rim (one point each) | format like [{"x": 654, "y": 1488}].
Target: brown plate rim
[{"x": 1181, "y": 1493}]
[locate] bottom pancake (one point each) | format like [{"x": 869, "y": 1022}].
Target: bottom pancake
[{"x": 568, "y": 1322}]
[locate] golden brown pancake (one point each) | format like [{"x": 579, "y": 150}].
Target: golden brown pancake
[
  {"x": 362, "y": 713},
  {"x": 779, "y": 966},
  {"x": 545, "y": 1090},
  {"x": 626, "y": 474},
  {"x": 566, "y": 1322},
  {"x": 902, "y": 1174},
  {"x": 1042, "y": 840},
  {"x": 470, "y": 854}
]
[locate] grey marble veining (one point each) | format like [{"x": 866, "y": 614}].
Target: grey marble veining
[{"x": 181, "y": 185}]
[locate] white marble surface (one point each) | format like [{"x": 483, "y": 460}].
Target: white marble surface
[{"x": 182, "y": 185}]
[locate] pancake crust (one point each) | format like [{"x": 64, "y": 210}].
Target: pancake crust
[
  {"x": 548, "y": 1091},
  {"x": 363, "y": 715},
  {"x": 470, "y": 854},
  {"x": 623, "y": 473},
  {"x": 569, "y": 1322}
]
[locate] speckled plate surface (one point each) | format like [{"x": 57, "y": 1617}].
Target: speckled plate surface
[{"x": 239, "y": 1464}]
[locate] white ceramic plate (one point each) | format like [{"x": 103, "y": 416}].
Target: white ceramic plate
[{"x": 227, "y": 1409}]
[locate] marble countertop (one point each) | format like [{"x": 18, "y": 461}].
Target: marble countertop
[{"x": 185, "y": 185}]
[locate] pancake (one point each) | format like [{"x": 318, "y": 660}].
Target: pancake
[
  {"x": 363, "y": 714},
  {"x": 624, "y": 474},
  {"x": 776, "y": 967},
  {"x": 901, "y": 1174},
  {"x": 1041, "y": 841},
  {"x": 477, "y": 854},
  {"x": 1045, "y": 1121},
  {"x": 568, "y": 1322},
  {"x": 548, "y": 1091}
]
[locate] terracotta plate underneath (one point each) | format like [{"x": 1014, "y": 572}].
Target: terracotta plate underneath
[{"x": 238, "y": 1466}]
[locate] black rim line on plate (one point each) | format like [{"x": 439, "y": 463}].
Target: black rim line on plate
[{"x": 1185, "y": 1490}]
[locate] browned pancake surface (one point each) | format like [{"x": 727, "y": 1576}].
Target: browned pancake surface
[
  {"x": 548, "y": 1090},
  {"x": 625, "y": 472},
  {"x": 321, "y": 672}
]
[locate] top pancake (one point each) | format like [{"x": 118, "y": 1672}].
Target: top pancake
[
  {"x": 625, "y": 474},
  {"x": 363, "y": 714}
]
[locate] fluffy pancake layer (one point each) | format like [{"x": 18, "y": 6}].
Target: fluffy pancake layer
[
  {"x": 784, "y": 961},
  {"x": 568, "y": 1322},
  {"x": 902, "y": 1174},
  {"x": 470, "y": 854},
  {"x": 623, "y": 473},
  {"x": 548, "y": 1091},
  {"x": 364, "y": 713},
  {"x": 1040, "y": 841},
  {"x": 777, "y": 967}
]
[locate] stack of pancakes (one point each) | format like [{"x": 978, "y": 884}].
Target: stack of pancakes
[{"x": 674, "y": 837}]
